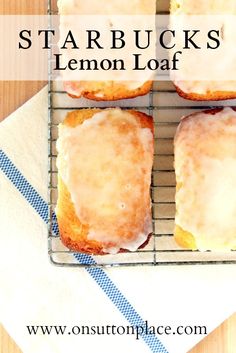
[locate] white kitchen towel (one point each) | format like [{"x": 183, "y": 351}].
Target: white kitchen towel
[{"x": 34, "y": 292}]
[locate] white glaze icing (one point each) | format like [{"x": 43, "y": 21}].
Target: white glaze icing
[
  {"x": 205, "y": 166},
  {"x": 106, "y": 165}
]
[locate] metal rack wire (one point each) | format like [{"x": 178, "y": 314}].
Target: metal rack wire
[{"x": 166, "y": 107}]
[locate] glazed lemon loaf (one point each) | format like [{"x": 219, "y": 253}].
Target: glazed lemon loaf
[
  {"x": 108, "y": 90},
  {"x": 104, "y": 165},
  {"x": 217, "y": 87},
  {"x": 205, "y": 167}
]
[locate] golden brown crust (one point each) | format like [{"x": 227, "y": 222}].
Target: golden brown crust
[
  {"x": 108, "y": 93},
  {"x": 72, "y": 232},
  {"x": 209, "y": 96},
  {"x": 184, "y": 239}
]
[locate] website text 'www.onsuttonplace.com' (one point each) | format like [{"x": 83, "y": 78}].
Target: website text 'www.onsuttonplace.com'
[{"x": 137, "y": 331}]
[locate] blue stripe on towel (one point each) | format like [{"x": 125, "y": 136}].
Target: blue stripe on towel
[
  {"x": 99, "y": 275},
  {"x": 17, "y": 179}
]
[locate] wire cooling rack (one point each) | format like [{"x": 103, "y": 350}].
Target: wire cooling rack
[{"x": 166, "y": 108}]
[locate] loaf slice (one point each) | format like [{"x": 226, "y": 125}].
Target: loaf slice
[
  {"x": 104, "y": 164},
  {"x": 108, "y": 90},
  {"x": 205, "y": 167},
  {"x": 216, "y": 87}
]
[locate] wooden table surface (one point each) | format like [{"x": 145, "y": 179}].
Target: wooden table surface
[{"x": 13, "y": 94}]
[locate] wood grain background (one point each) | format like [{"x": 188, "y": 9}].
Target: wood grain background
[{"x": 14, "y": 94}]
